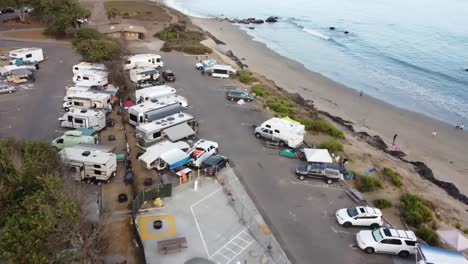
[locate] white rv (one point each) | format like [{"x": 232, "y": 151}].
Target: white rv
[
  {"x": 27, "y": 54},
  {"x": 152, "y": 157},
  {"x": 86, "y": 100},
  {"x": 139, "y": 75},
  {"x": 84, "y": 118},
  {"x": 86, "y": 66},
  {"x": 143, "y": 60},
  {"x": 201, "y": 151},
  {"x": 90, "y": 78},
  {"x": 174, "y": 127},
  {"x": 149, "y": 111},
  {"x": 88, "y": 165},
  {"x": 154, "y": 92},
  {"x": 284, "y": 131},
  {"x": 222, "y": 71}
]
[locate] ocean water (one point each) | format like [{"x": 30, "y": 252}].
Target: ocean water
[{"x": 412, "y": 54}]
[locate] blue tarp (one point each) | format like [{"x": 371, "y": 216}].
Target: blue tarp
[{"x": 175, "y": 158}]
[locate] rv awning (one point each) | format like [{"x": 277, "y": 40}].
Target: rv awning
[
  {"x": 175, "y": 158},
  {"x": 179, "y": 132},
  {"x": 441, "y": 256},
  {"x": 317, "y": 155}
]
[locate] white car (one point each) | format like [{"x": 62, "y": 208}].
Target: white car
[
  {"x": 360, "y": 216},
  {"x": 7, "y": 89},
  {"x": 388, "y": 241},
  {"x": 201, "y": 151}
]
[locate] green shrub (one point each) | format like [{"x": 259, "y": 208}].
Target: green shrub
[
  {"x": 196, "y": 49},
  {"x": 428, "y": 235},
  {"x": 281, "y": 107},
  {"x": 458, "y": 226},
  {"x": 260, "y": 91},
  {"x": 416, "y": 209},
  {"x": 333, "y": 146},
  {"x": 382, "y": 203},
  {"x": 322, "y": 125},
  {"x": 394, "y": 176},
  {"x": 245, "y": 76},
  {"x": 367, "y": 183},
  {"x": 465, "y": 230}
]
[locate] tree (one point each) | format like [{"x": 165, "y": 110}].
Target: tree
[{"x": 96, "y": 47}]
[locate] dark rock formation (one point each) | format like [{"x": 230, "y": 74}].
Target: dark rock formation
[
  {"x": 332, "y": 28},
  {"x": 272, "y": 19},
  {"x": 257, "y": 21},
  {"x": 346, "y": 32}
]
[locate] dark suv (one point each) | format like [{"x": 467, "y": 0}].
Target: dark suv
[
  {"x": 328, "y": 172},
  {"x": 237, "y": 94},
  {"x": 168, "y": 76},
  {"x": 214, "y": 164}
]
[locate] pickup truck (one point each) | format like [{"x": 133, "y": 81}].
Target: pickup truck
[{"x": 328, "y": 172}]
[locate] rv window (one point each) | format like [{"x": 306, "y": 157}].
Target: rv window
[
  {"x": 134, "y": 118},
  {"x": 141, "y": 119},
  {"x": 97, "y": 166},
  {"x": 60, "y": 140},
  {"x": 128, "y": 62},
  {"x": 76, "y": 68},
  {"x": 108, "y": 101},
  {"x": 268, "y": 126},
  {"x": 78, "y": 120},
  {"x": 152, "y": 61},
  {"x": 265, "y": 130},
  {"x": 78, "y": 103},
  {"x": 85, "y": 78},
  {"x": 158, "y": 60},
  {"x": 73, "y": 169},
  {"x": 157, "y": 135},
  {"x": 220, "y": 71},
  {"x": 97, "y": 172},
  {"x": 277, "y": 131},
  {"x": 70, "y": 118},
  {"x": 28, "y": 55}
]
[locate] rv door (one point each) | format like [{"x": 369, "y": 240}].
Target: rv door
[
  {"x": 79, "y": 123},
  {"x": 152, "y": 61},
  {"x": 77, "y": 172}
]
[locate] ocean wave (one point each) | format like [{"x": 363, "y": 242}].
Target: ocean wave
[{"x": 298, "y": 22}]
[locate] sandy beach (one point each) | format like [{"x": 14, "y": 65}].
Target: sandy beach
[{"x": 445, "y": 154}]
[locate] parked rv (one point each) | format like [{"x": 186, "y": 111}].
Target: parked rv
[
  {"x": 92, "y": 166},
  {"x": 32, "y": 55},
  {"x": 286, "y": 132},
  {"x": 72, "y": 138},
  {"x": 84, "y": 118},
  {"x": 90, "y": 78},
  {"x": 86, "y": 66},
  {"x": 86, "y": 100},
  {"x": 201, "y": 151},
  {"x": 143, "y": 74},
  {"x": 149, "y": 111},
  {"x": 154, "y": 155},
  {"x": 143, "y": 60},
  {"x": 174, "y": 127},
  {"x": 223, "y": 71},
  {"x": 77, "y": 89},
  {"x": 172, "y": 98},
  {"x": 154, "y": 92}
]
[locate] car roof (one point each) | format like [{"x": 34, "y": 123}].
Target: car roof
[
  {"x": 169, "y": 71},
  {"x": 215, "y": 157},
  {"x": 238, "y": 91},
  {"x": 396, "y": 233},
  {"x": 367, "y": 210}
]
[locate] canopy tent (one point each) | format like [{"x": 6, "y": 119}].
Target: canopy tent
[
  {"x": 156, "y": 151},
  {"x": 435, "y": 255},
  {"x": 453, "y": 238},
  {"x": 317, "y": 155},
  {"x": 128, "y": 104},
  {"x": 179, "y": 132},
  {"x": 175, "y": 158}
]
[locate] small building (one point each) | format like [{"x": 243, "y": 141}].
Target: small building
[{"x": 123, "y": 31}]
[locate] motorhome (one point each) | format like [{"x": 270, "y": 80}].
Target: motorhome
[
  {"x": 33, "y": 55},
  {"x": 154, "y": 92},
  {"x": 222, "y": 71},
  {"x": 201, "y": 151},
  {"x": 76, "y": 89},
  {"x": 143, "y": 60},
  {"x": 84, "y": 118},
  {"x": 174, "y": 127},
  {"x": 90, "y": 78},
  {"x": 286, "y": 132},
  {"x": 86, "y": 100},
  {"x": 86, "y": 66},
  {"x": 72, "y": 138},
  {"x": 151, "y": 159},
  {"x": 149, "y": 111},
  {"x": 143, "y": 74},
  {"x": 89, "y": 165},
  {"x": 172, "y": 98}
]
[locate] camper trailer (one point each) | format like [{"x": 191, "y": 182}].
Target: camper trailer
[
  {"x": 86, "y": 100},
  {"x": 32, "y": 55},
  {"x": 151, "y": 159},
  {"x": 174, "y": 127},
  {"x": 72, "y": 138},
  {"x": 90, "y": 78},
  {"x": 144, "y": 74},
  {"x": 154, "y": 92},
  {"x": 149, "y": 111},
  {"x": 88, "y": 165},
  {"x": 86, "y": 66},
  {"x": 286, "y": 132},
  {"x": 222, "y": 71},
  {"x": 201, "y": 151},
  {"x": 84, "y": 118},
  {"x": 143, "y": 60}
]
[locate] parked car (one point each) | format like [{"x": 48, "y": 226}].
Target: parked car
[
  {"x": 388, "y": 241},
  {"x": 168, "y": 76},
  {"x": 7, "y": 10},
  {"x": 7, "y": 89},
  {"x": 214, "y": 164},
  {"x": 360, "y": 216},
  {"x": 237, "y": 94},
  {"x": 328, "y": 172}
]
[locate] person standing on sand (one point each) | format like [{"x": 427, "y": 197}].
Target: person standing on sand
[
  {"x": 434, "y": 133},
  {"x": 394, "y": 138},
  {"x": 360, "y": 94}
]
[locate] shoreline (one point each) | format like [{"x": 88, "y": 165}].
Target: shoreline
[{"x": 444, "y": 153}]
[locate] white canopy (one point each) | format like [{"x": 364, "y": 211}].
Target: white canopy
[{"x": 318, "y": 155}]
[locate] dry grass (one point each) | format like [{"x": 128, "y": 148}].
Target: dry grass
[
  {"x": 137, "y": 10},
  {"x": 27, "y": 34}
]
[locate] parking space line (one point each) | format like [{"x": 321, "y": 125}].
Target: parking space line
[
  {"x": 237, "y": 244},
  {"x": 230, "y": 249},
  {"x": 225, "y": 256}
]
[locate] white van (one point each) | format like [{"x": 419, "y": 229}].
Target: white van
[
  {"x": 222, "y": 71},
  {"x": 84, "y": 118},
  {"x": 90, "y": 78},
  {"x": 284, "y": 131},
  {"x": 86, "y": 66},
  {"x": 142, "y": 74},
  {"x": 151, "y": 159},
  {"x": 143, "y": 60},
  {"x": 27, "y": 54}
]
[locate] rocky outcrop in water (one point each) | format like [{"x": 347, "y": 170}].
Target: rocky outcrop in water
[{"x": 272, "y": 19}]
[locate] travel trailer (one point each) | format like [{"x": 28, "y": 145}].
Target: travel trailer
[
  {"x": 143, "y": 74},
  {"x": 154, "y": 92},
  {"x": 76, "y": 89},
  {"x": 172, "y": 98},
  {"x": 84, "y": 118},
  {"x": 33, "y": 55},
  {"x": 86, "y": 66},
  {"x": 72, "y": 138},
  {"x": 174, "y": 127},
  {"x": 223, "y": 71},
  {"x": 149, "y": 111},
  {"x": 286, "y": 132},
  {"x": 86, "y": 100},
  {"x": 151, "y": 159},
  {"x": 143, "y": 60},
  {"x": 90, "y": 78},
  {"x": 201, "y": 151},
  {"x": 88, "y": 165}
]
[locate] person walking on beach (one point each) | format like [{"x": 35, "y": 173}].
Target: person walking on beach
[
  {"x": 434, "y": 133},
  {"x": 394, "y": 138},
  {"x": 360, "y": 94}
]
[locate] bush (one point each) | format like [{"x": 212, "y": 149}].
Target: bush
[
  {"x": 196, "y": 49},
  {"x": 281, "y": 107},
  {"x": 394, "y": 176},
  {"x": 465, "y": 230},
  {"x": 322, "y": 125},
  {"x": 382, "y": 203},
  {"x": 333, "y": 146},
  {"x": 260, "y": 91},
  {"x": 428, "y": 235},
  {"x": 458, "y": 226},
  {"x": 177, "y": 37},
  {"x": 245, "y": 76},
  {"x": 367, "y": 183},
  {"x": 416, "y": 209}
]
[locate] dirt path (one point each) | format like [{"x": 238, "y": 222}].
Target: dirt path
[{"x": 98, "y": 13}]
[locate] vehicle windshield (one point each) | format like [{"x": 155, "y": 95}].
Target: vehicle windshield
[
  {"x": 169, "y": 74},
  {"x": 377, "y": 235},
  {"x": 352, "y": 212},
  {"x": 212, "y": 160}
]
